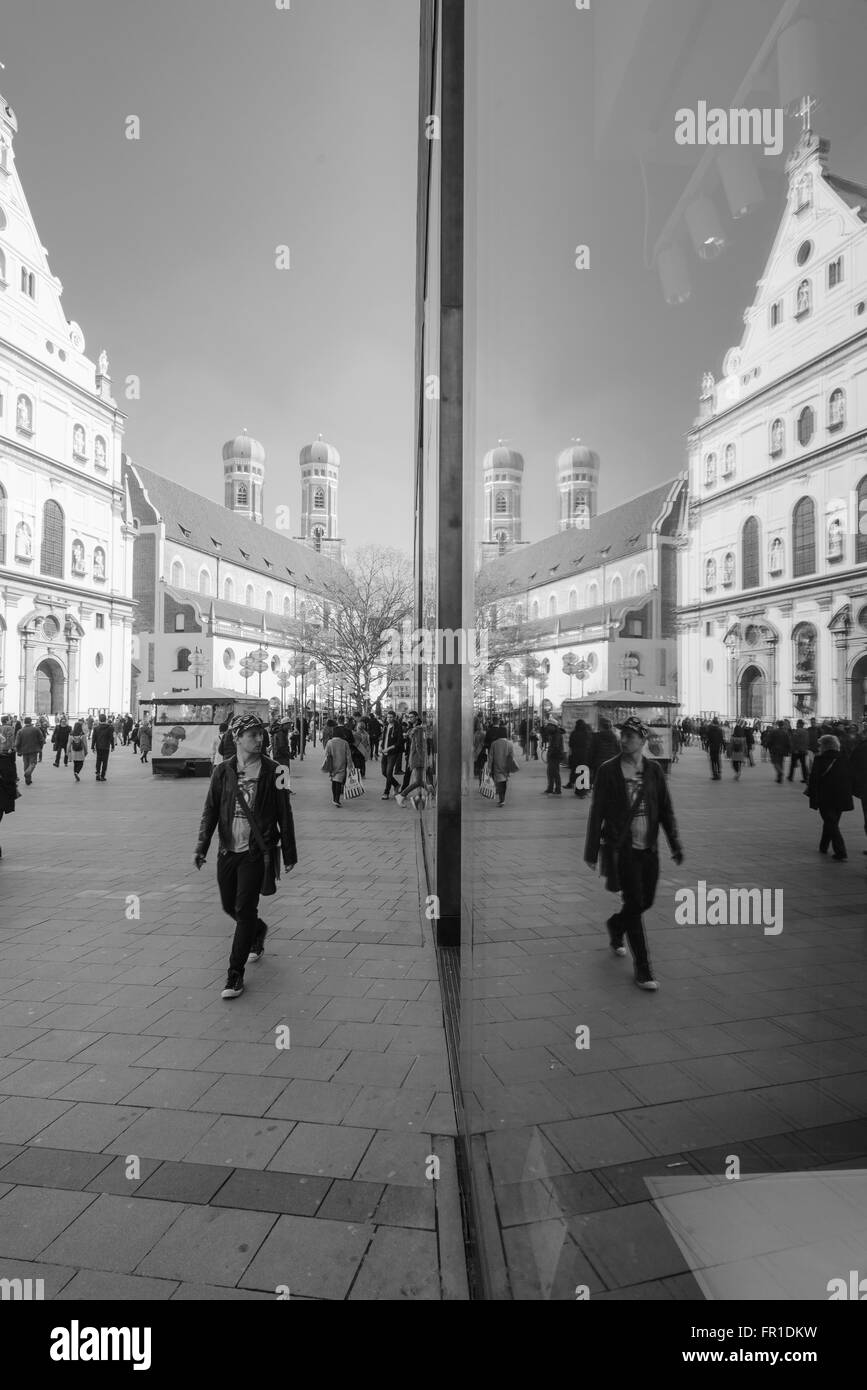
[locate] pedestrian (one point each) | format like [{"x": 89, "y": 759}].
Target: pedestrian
[
  {"x": 738, "y": 750},
  {"x": 28, "y": 746},
  {"x": 830, "y": 793},
  {"x": 102, "y": 741},
  {"x": 281, "y": 751},
  {"x": 60, "y": 741},
  {"x": 749, "y": 740},
  {"x": 391, "y": 749},
  {"x": 553, "y": 738},
  {"x": 858, "y": 766},
  {"x": 779, "y": 747},
  {"x": 145, "y": 739},
  {"x": 800, "y": 744},
  {"x": 415, "y": 746},
  {"x": 480, "y": 748},
  {"x": 631, "y": 801},
  {"x": 250, "y": 806},
  {"x": 77, "y": 748},
  {"x": 715, "y": 742},
  {"x": 603, "y": 745},
  {"x": 9, "y": 789},
  {"x": 363, "y": 751},
  {"x": 337, "y": 762},
  {"x": 501, "y": 762}
]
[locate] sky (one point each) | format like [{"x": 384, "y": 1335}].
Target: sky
[{"x": 264, "y": 127}]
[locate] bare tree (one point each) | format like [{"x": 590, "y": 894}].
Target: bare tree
[{"x": 354, "y": 629}]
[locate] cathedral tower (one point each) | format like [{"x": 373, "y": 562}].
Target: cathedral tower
[
  {"x": 578, "y": 485},
  {"x": 320, "y": 477},
  {"x": 244, "y": 475}
]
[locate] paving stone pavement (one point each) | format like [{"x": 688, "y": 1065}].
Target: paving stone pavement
[
  {"x": 157, "y": 1142},
  {"x": 755, "y": 1045}
]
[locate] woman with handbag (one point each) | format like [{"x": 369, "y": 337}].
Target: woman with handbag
[
  {"x": 501, "y": 763},
  {"x": 631, "y": 801},
  {"x": 338, "y": 758},
  {"x": 250, "y": 803}
]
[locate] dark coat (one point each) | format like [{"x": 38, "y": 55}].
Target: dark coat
[
  {"x": 580, "y": 740},
  {"x": 715, "y": 738},
  {"x": 272, "y": 811},
  {"x": 830, "y": 784},
  {"x": 554, "y": 739},
  {"x": 609, "y": 811},
  {"x": 858, "y": 765},
  {"x": 102, "y": 738},
  {"x": 8, "y": 782},
  {"x": 604, "y": 745},
  {"x": 779, "y": 743},
  {"x": 60, "y": 737},
  {"x": 29, "y": 740}
]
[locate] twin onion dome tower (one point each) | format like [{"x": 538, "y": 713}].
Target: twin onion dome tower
[
  {"x": 577, "y": 484},
  {"x": 244, "y": 478}
]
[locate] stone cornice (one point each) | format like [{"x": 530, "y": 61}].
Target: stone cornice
[
  {"x": 811, "y": 587},
  {"x": 31, "y": 456},
  {"x": 828, "y": 454},
  {"x": 57, "y": 379}
]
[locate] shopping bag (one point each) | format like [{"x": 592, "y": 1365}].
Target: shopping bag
[
  {"x": 354, "y": 786},
  {"x": 487, "y": 788}
]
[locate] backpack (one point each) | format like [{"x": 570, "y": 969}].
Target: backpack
[{"x": 78, "y": 745}]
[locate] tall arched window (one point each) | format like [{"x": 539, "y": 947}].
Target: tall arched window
[
  {"x": 248, "y": 596},
  {"x": 287, "y": 606},
  {"x": 204, "y": 581},
  {"x": 573, "y": 600},
  {"x": 534, "y": 612},
  {"x": 178, "y": 576},
  {"x": 552, "y": 606},
  {"x": 319, "y": 500},
  {"x": 837, "y": 409},
  {"x": 751, "y": 568},
  {"x": 593, "y": 595},
  {"x": 2, "y": 525},
  {"x": 710, "y": 574},
  {"x": 616, "y": 589},
  {"x": 804, "y": 537},
  {"x": 242, "y": 495},
  {"x": 641, "y": 582},
  {"x": 229, "y": 590},
  {"x": 51, "y": 555},
  {"x": 269, "y": 601},
  {"x": 318, "y": 533},
  {"x": 502, "y": 504},
  {"x": 183, "y": 659},
  {"x": 861, "y": 524}
]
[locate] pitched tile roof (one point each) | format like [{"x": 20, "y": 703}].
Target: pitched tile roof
[
  {"x": 213, "y": 530},
  {"x": 237, "y": 613},
  {"x": 613, "y": 535}
]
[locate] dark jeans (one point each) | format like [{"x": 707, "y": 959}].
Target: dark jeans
[
  {"x": 337, "y": 792},
  {"x": 831, "y": 833},
  {"x": 502, "y": 788},
  {"x": 30, "y": 760},
  {"x": 802, "y": 759},
  {"x": 101, "y": 761},
  {"x": 553, "y": 769},
  {"x": 65, "y": 757},
  {"x": 715, "y": 767},
  {"x": 777, "y": 760},
  {"x": 863, "y": 801},
  {"x": 639, "y": 873},
  {"x": 239, "y": 879},
  {"x": 388, "y": 763}
]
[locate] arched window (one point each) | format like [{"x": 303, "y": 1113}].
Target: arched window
[
  {"x": 837, "y": 409},
  {"x": 806, "y": 426},
  {"x": 804, "y": 537},
  {"x": 229, "y": 590},
  {"x": 502, "y": 504},
  {"x": 502, "y": 541},
  {"x": 710, "y": 574},
  {"x": 287, "y": 606},
  {"x": 99, "y": 563},
  {"x": 616, "y": 589},
  {"x": 178, "y": 576},
  {"x": 710, "y": 470},
  {"x": 552, "y": 606},
  {"x": 249, "y": 596},
  {"x": 28, "y": 283},
  {"x": 804, "y": 299},
  {"x": 204, "y": 581},
  {"x": 51, "y": 555},
  {"x": 750, "y": 562},
  {"x": 534, "y": 612},
  {"x": 861, "y": 524},
  {"x": 641, "y": 582},
  {"x": 183, "y": 662},
  {"x": 573, "y": 600},
  {"x": 729, "y": 461},
  {"x": 777, "y": 438},
  {"x": 593, "y": 595},
  {"x": 2, "y": 525},
  {"x": 269, "y": 601},
  {"x": 319, "y": 500},
  {"x": 242, "y": 496},
  {"x": 318, "y": 533}
]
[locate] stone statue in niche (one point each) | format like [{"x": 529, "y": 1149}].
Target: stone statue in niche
[
  {"x": 77, "y": 557},
  {"x": 707, "y": 385},
  {"x": 103, "y": 363},
  {"x": 78, "y": 441},
  {"x": 729, "y": 569},
  {"x": 99, "y": 563},
  {"x": 25, "y": 414},
  {"x": 777, "y": 437},
  {"x": 835, "y": 539},
  {"x": 805, "y": 654},
  {"x": 23, "y": 541},
  {"x": 803, "y": 297},
  {"x": 776, "y": 556},
  {"x": 99, "y": 451}
]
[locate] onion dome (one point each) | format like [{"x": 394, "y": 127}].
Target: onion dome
[
  {"x": 502, "y": 457},
  {"x": 577, "y": 456},
  {"x": 243, "y": 447},
  {"x": 320, "y": 453}
]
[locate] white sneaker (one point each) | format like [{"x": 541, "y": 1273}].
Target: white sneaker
[
  {"x": 234, "y": 988},
  {"x": 401, "y": 800},
  {"x": 650, "y": 984}
]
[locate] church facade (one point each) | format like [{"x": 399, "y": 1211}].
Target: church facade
[
  {"x": 773, "y": 578},
  {"x": 66, "y": 609}
]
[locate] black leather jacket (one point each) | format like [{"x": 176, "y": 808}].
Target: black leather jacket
[
  {"x": 609, "y": 811},
  {"x": 272, "y": 811}
]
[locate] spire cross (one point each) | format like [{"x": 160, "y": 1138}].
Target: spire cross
[{"x": 805, "y": 111}]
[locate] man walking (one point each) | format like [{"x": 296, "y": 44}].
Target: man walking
[
  {"x": 28, "y": 746},
  {"x": 800, "y": 747},
  {"x": 553, "y": 736},
  {"x": 392, "y": 748},
  {"x": 631, "y": 801},
  {"x": 715, "y": 746},
  {"x": 779, "y": 746},
  {"x": 102, "y": 741},
  {"x": 60, "y": 741},
  {"x": 250, "y": 804},
  {"x": 858, "y": 765}
]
